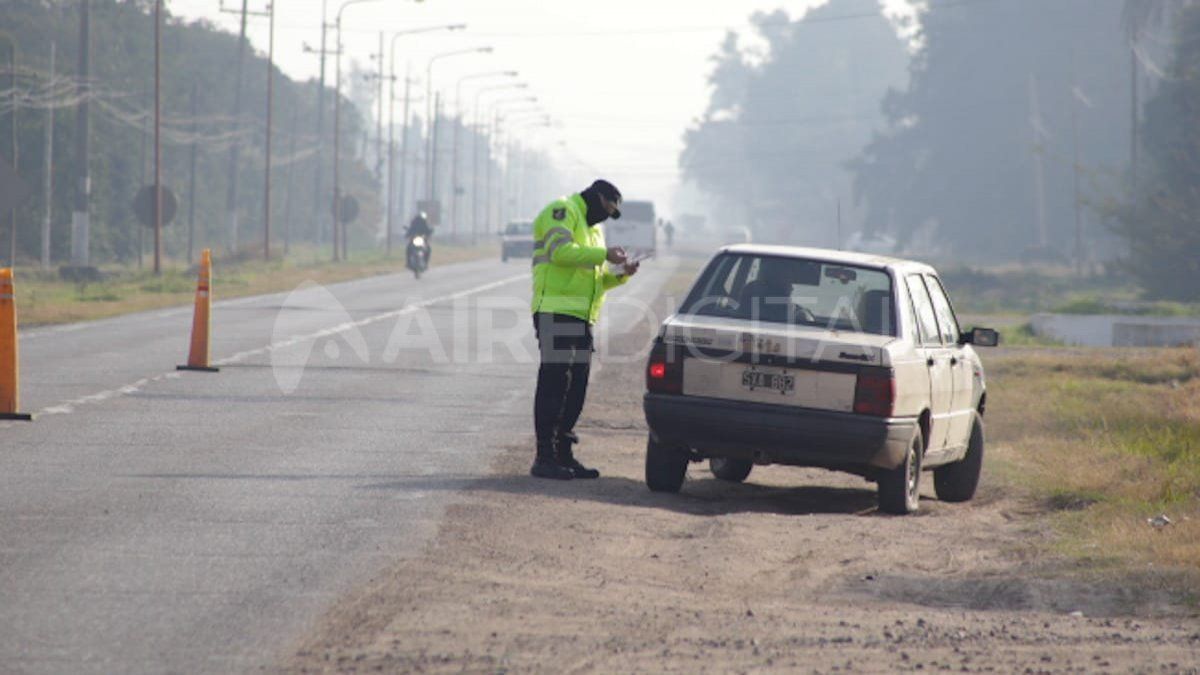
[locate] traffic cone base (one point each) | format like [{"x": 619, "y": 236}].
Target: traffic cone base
[
  {"x": 198, "y": 355},
  {"x": 9, "y": 361}
]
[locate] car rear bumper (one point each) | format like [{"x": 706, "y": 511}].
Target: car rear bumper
[{"x": 776, "y": 434}]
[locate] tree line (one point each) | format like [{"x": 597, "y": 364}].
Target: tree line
[{"x": 1035, "y": 130}]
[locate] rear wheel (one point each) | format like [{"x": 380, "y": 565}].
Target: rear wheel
[
  {"x": 900, "y": 488},
  {"x": 730, "y": 469},
  {"x": 666, "y": 466},
  {"x": 957, "y": 482}
]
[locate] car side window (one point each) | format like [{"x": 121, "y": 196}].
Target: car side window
[
  {"x": 923, "y": 308},
  {"x": 945, "y": 313}
]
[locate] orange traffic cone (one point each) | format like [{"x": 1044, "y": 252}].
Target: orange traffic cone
[
  {"x": 198, "y": 356},
  {"x": 9, "y": 364}
]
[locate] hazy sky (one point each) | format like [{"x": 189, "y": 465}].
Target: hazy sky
[{"x": 622, "y": 78}]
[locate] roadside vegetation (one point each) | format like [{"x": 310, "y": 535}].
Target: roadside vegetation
[
  {"x": 45, "y": 298},
  {"x": 1110, "y": 441}
]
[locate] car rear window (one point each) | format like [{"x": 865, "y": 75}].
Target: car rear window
[
  {"x": 795, "y": 291},
  {"x": 519, "y": 228}
]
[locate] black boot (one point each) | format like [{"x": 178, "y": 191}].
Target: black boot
[
  {"x": 545, "y": 466},
  {"x": 566, "y": 457}
]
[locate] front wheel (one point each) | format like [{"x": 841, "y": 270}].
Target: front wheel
[
  {"x": 730, "y": 469},
  {"x": 666, "y": 466},
  {"x": 900, "y": 488},
  {"x": 957, "y": 482}
]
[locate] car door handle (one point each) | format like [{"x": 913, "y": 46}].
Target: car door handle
[
  {"x": 930, "y": 361},
  {"x": 954, "y": 360}
]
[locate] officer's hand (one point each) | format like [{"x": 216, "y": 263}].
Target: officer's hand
[
  {"x": 616, "y": 255},
  {"x": 632, "y": 268}
]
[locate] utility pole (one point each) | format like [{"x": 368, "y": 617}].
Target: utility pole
[
  {"x": 1134, "y": 131},
  {"x": 267, "y": 163},
  {"x": 402, "y": 197},
  {"x": 379, "y": 116},
  {"x": 434, "y": 149},
  {"x": 1039, "y": 169},
  {"x": 141, "y": 245},
  {"x": 12, "y": 117},
  {"x": 49, "y": 164},
  {"x": 1075, "y": 168},
  {"x": 191, "y": 236},
  {"x": 319, "y": 202},
  {"x": 231, "y": 192},
  {"x": 158, "y": 189},
  {"x": 287, "y": 203},
  {"x": 80, "y": 225}
]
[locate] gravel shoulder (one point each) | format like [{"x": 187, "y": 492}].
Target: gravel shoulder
[{"x": 794, "y": 571}]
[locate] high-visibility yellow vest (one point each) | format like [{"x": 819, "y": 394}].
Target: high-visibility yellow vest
[{"x": 570, "y": 275}]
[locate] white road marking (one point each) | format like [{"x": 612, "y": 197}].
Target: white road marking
[{"x": 67, "y": 407}]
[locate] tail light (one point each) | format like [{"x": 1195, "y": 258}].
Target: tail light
[
  {"x": 875, "y": 393},
  {"x": 664, "y": 370}
]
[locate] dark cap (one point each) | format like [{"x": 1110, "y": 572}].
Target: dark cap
[{"x": 609, "y": 192}]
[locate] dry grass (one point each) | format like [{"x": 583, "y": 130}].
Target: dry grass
[
  {"x": 43, "y": 298},
  {"x": 1108, "y": 438}
]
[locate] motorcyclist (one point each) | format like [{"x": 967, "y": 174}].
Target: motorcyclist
[{"x": 419, "y": 227}]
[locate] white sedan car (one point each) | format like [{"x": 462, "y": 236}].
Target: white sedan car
[{"x": 809, "y": 357}]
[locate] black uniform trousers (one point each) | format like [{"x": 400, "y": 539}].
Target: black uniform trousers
[{"x": 565, "y": 344}]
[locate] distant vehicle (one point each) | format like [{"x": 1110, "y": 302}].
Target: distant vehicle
[
  {"x": 871, "y": 242},
  {"x": 636, "y": 230},
  {"x": 516, "y": 241},
  {"x": 810, "y": 357}
]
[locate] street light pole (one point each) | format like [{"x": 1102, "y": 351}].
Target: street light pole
[
  {"x": 479, "y": 133},
  {"x": 158, "y": 190},
  {"x": 267, "y": 168},
  {"x": 12, "y": 87},
  {"x": 338, "y": 235},
  {"x": 496, "y": 118},
  {"x": 392, "y": 122},
  {"x": 430, "y": 160},
  {"x": 455, "y": 142}
]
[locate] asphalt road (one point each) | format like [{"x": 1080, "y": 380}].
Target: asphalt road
[{"x": 155, "y": 521}]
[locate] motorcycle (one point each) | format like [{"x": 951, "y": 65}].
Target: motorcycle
[{"x": 418, "y": 255}]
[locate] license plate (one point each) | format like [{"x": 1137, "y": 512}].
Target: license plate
[{"x": 754, "y": 380}]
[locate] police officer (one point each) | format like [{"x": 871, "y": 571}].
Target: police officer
[{"x": 571, "y": 273}]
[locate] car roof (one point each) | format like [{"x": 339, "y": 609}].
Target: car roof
[{"x": 828, "y": 255}]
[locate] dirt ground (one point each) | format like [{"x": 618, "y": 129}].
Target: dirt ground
[{"x": 794, "y": 571}]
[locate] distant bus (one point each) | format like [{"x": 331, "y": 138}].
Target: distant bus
[{"x": 635, "y": 230}]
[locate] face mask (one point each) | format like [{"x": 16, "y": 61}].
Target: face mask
[{"x": 595, "y": 210}]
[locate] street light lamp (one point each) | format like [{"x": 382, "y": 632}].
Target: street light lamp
[{"x": 430, "y": 160}]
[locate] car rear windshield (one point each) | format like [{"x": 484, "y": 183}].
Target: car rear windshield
[
  {"x": 519, "y": 228},
  {"x": 795, "y": 291}
]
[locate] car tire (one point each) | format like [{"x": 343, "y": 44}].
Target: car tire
[
  {"x": 666, "y": 466},
  {"x": 730, "y": 469},
  {"x": 957, "y": 482},
  {"x": 900, "y": 488}
]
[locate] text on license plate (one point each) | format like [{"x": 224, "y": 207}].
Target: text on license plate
[{"x": 756, "y": 379}]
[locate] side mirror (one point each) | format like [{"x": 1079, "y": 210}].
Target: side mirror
[{"x": 980, "y": 337}]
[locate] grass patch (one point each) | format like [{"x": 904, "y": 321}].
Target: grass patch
[
  {"x": 1048, "y": 289},
  {"x": 1105, "y": 439},
  {"x": 43, "y": 298}
]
